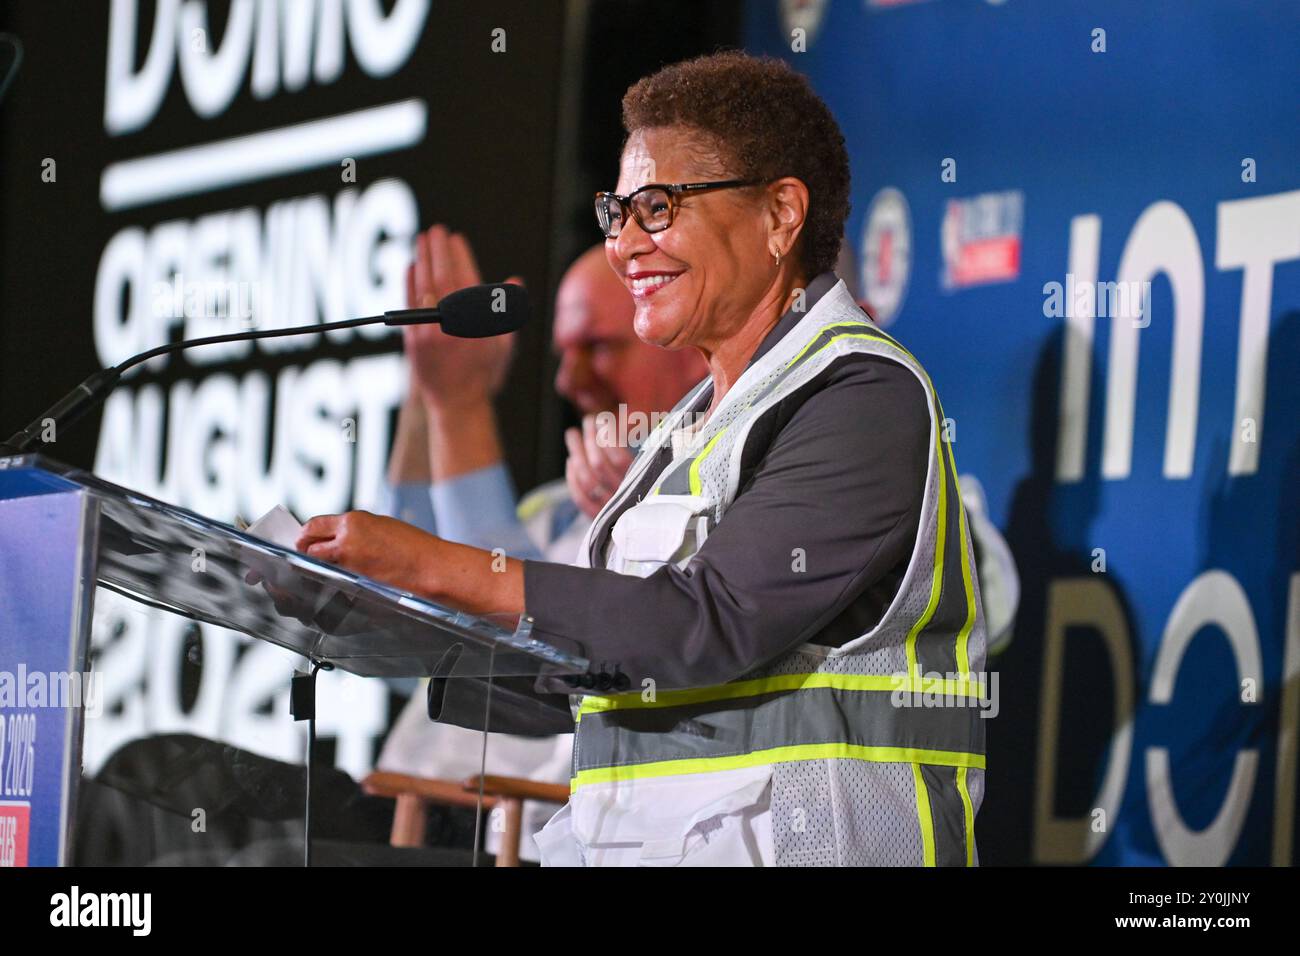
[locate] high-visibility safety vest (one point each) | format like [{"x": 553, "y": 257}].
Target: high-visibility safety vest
[{"x": 870, "y": 753}]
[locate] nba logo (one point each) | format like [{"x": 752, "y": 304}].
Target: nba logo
[{"x": 980, "y": 237}]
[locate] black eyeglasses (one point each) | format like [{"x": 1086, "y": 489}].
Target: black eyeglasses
[{"x": 652, "y": 206}]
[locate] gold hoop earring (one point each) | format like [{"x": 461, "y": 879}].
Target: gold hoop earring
[{"x": 777, "y": 257}]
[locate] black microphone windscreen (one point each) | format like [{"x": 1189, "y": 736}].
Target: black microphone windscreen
[{"x": 484, "y": 310}]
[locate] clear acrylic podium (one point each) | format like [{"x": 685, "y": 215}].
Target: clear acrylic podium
[{"x": 65, "y": 532}]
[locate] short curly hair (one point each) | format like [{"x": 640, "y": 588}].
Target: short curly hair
[{"x": 767, "y": 123}]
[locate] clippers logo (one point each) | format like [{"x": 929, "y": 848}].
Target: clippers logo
[
  {"x": 886, "y": 254},
  {"x": 981, "y": 239}
]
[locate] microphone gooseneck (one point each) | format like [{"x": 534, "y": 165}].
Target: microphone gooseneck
[{"x": 476, "y": 312}]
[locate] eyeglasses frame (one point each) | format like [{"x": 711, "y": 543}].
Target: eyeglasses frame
[{"x": 673, "y": 190}]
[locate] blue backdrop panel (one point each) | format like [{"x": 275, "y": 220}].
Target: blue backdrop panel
[
  {"x": 42, "y": 618},
  {"x": 983, "y": 137}
]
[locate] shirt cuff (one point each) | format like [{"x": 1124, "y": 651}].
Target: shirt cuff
[
  {"x": 478, "y": 509},
  {"x": 409, "y": 501}
]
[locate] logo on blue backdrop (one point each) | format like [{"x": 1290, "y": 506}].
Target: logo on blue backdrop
[
  {"x": 886, "y": 254},
  {"x": 980, "y": 236}
]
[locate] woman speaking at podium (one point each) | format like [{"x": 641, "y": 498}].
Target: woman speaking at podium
[{"x": 786, "y": 565}]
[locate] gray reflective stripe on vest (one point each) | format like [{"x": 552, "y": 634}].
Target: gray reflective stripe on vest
[
  {"x": 937, "y": 650},
  {"x": 950, "y": 820},
  {"x": 823, "y": 715}
]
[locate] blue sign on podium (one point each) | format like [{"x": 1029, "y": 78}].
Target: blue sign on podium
[{"x": 44, "y": 685}]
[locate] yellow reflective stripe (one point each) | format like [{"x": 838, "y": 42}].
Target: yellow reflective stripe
[
  {"x": 895, "y": 344},
  {"x": 923, "y": 816},
  {"x": 850, "y": 335},
  {"x": 936, "y": 583},
  {"x": 784, "y": 682},
  {"x": 969, "y": 812},
  {"x": 692, "y": 765},
  {"x": 694, "y": 473},
  {"x": 962, "y": 659},
  {"x": 663, "y": 423},
  {"x": 833, "y": 325},
  {"x": 963, "y": 636}
]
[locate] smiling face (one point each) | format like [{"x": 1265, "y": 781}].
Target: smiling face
[
  {"x": 602, "y": 363},
  {"x": 696, "y": 282}
]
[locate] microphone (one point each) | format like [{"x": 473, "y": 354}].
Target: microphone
[{"x": 476, "y": 312}]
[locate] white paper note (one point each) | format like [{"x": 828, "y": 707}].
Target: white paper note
[{"x": 277, "y": 526}]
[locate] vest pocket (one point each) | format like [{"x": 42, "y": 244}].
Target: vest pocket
[
  {"x": 739, "y": 835},
  {"x": 720, "y": 818},
  {"x": 662, "y": 529}
]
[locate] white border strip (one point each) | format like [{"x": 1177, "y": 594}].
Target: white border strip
[{"x": 242, "y": 159}]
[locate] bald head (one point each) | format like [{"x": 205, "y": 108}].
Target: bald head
[
  {"x": 602, "y": 362},
  {"x": 590, "y": 278}
]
